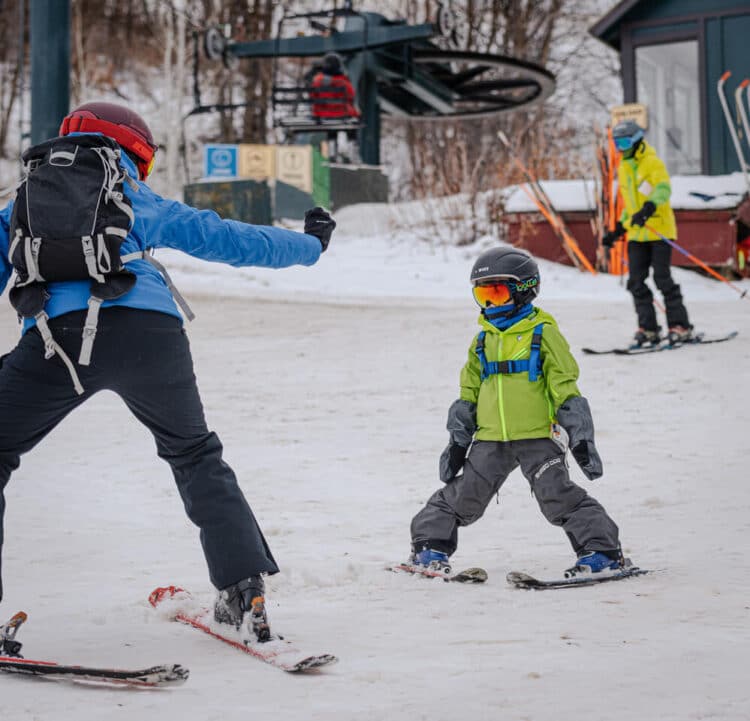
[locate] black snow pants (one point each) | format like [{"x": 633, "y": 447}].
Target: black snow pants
[
  {"x": 489, "y": 463},
  {"x": 145, "y": 358},
  {"x": 642, "y": 257}
]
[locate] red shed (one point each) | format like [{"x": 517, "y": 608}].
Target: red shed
[{"x": 705, "y": 208}]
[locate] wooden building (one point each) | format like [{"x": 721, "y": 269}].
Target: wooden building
[{"x": 673, "y": 54}]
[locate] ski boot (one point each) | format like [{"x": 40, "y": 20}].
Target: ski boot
[
  {"x": 429, "y": 558},
  {"x": 679, "y": 334},
  {"x": 645, "y": 337},
  {"x": 8, "y": 644},
  {"x": 595, "y": 562},
  {"x": 240, "y": 599}
]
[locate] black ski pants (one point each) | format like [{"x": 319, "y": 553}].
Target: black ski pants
[
  {"x": 145, "y": 358},
  {"x": 488, "y": 465},
  {"x": 642, "y": 257}
]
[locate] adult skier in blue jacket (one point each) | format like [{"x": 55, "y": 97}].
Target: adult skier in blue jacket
[{"x": 142, "y": 354}]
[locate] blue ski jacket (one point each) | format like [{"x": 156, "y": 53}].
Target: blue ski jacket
[{"x": 162, "y": 223}]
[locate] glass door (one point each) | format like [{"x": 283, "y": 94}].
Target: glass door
[{"x": 668, "y": 84}]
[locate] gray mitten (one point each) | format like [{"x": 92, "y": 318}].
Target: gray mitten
[
  {"x": 461, "y": 425},
  {"x": 574, "y": 415}
]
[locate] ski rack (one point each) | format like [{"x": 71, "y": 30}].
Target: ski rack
[{"x": 744, "y": 167}]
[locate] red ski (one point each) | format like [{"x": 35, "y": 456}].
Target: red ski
[
  {"x": 156, "y": 676},
  {"x": 12, "y": 662},
  {"x": 277, "y": 652}
]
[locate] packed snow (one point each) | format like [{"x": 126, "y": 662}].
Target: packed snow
[{"x": 329, "y": 387}]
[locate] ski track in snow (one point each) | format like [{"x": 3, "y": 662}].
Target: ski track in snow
[{"x": 332, "y": 413}]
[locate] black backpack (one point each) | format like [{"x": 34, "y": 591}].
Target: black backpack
[{"x": 69, "y": 220}]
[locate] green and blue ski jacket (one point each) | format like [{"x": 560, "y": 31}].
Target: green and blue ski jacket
[{"x": 510, "y": 405}]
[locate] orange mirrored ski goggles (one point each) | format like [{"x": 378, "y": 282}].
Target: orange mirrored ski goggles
[{"x": 498, "y": 293}]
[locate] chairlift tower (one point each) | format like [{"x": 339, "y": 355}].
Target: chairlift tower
[
  {"x": 49, "y": 24},
  {"x": 398, "y": 70}
]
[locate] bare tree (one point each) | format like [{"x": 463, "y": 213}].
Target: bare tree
[{"x": 11, "y": 64}]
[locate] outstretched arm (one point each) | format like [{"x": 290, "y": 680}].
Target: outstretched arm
[{"x": 162, "y": 223}]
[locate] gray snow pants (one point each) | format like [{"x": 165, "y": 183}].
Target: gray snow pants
[
  {"x": 487, "y": 466},
  {"x": 145, "y": 358}
]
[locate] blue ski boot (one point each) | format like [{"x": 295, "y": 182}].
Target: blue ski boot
[
  {"x": 595, "y": 562},
  {"x": 429, "y": 558}
]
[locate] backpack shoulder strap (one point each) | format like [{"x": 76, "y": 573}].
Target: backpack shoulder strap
[{"x": 531, "y": 365}]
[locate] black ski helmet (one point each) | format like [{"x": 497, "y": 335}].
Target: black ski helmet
[
  {"x": 333, "y": 64},
  {"x": 511, "y": 264}
]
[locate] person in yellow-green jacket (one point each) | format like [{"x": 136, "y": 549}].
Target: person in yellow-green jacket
[
  {"x": 519, "y": 406},
  {"x": 645, "y": 189}
]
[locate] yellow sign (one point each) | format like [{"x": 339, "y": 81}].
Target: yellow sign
[
  {"x": 630, "y": 111},
  {"x": 294, "y": 166},
  {"x": 257, "y": 161}
]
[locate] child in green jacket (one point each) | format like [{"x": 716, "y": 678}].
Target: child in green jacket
[{"x": 519, "y": 406}]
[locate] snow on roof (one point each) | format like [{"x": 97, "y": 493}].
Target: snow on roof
[{"x": 689, "y": 192}]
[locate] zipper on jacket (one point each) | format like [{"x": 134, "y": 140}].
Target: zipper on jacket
[
  {"x": 500, "y": 390},
  {"x": 632, "y": 177}
]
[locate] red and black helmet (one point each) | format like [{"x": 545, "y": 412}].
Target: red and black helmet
[{"x": 121, "y": 124}]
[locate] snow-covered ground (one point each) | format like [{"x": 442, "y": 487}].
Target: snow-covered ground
[{"x": 329, "y": 387}]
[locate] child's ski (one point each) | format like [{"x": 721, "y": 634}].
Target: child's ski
[
  {"x": 276, "y": 652},
  {"x": 12, "y": 662},
  {"x": 470, "y": 575},
  {"x": 524, "y": 580},
  {"x": 698, "y": 339}
]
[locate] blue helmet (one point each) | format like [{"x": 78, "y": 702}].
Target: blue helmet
[{"x": 627, "y": 134}]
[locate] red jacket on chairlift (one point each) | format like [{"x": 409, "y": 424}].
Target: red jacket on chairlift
[{"x": 330, "y": 88}]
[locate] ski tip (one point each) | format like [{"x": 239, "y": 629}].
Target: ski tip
[
  {"x": 517, "y": 578},
  {"x": 176, "y": 673},
  {"x": 470, "y": 575},
  {"x": 312, "y": 663},
  {"x": 165, "y": 593}
]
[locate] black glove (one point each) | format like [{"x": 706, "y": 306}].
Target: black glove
[
  {"x": 575, "y": 417},
  {"x": 612, "y": 236},
  {"x": 452, "y": 461},
  {"x": 640, "y": 217},
  {"x": 320, "y": 224},
  {"x": 587, "y": 458}
]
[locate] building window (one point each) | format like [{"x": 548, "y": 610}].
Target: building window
[{"x": 668, "y": 84}]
